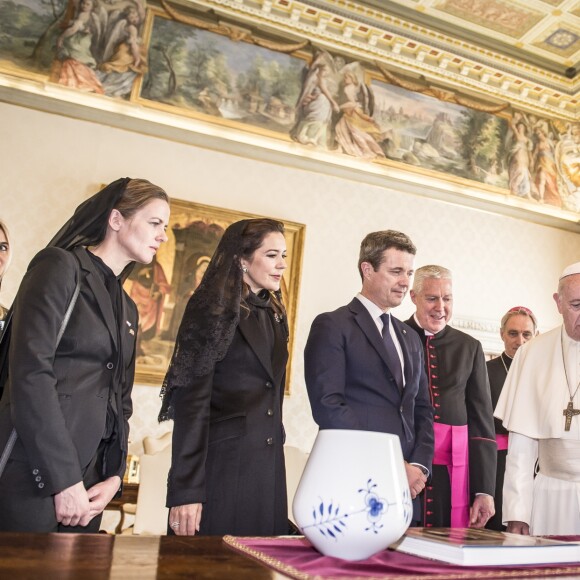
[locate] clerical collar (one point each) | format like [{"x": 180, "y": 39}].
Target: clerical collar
[
  {"x": 427, "y": 332},
  {"x": 506, "y": 362}
]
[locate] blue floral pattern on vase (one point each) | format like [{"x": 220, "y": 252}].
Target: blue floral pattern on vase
[
  {"x": 331, "y": 521},
  {"x": 407, "y": 506}
]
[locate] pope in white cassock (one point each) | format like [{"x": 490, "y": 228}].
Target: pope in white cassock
[{"x": 540, "y": 407}]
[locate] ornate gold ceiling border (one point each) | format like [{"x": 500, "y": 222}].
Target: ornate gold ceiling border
[{"x": 504, "y": 80}]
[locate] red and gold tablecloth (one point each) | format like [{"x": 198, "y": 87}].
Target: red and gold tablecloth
[{"x": 295, "y": 557}]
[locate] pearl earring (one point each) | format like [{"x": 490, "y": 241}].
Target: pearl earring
[{"x": 244, "y": 269}]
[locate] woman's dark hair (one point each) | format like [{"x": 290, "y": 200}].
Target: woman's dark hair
[
  {"x": 252, "y": 238},
  {"x": 213, "y": 312}
]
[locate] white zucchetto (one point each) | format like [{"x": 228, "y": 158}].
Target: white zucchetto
[{"x": 570, "y": 270}]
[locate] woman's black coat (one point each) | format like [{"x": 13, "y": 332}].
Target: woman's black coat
[{"x": 228, "y": 438}]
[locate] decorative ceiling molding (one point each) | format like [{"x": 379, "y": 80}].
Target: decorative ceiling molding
[
  {"x": 486, "y": 331},
  {"x": 365, "y": 33}
]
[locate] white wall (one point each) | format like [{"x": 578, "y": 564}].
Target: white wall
[{"x": 49, "y": 163}]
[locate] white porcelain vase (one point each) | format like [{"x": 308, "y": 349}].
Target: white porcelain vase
[{"x": 353, "y": 499}]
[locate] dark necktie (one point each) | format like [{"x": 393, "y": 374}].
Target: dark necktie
[{"x": 392, "y": 354}]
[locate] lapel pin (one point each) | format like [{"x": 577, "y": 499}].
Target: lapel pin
[
  {"x": 128, "y": 323},
  {"x": 404, "y": 331}
]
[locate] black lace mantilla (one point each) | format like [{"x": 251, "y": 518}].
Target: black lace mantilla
[{"x": 210, "y": 319}]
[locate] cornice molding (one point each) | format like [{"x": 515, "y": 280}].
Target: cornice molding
[
  {"x": 45, "y": 96},
  {"x": 365, "y": 33},
  {"x": 484, "y": 330}
]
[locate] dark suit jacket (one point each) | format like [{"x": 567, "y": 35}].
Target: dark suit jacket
[
  {"x": 228, "y": 438},
  {"x": 351, "y": 387},
  {"x": 497, "y": 376},
  {"x": 57, "y": 397}
]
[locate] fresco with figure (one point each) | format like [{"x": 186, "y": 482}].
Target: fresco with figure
[
  {"x": 90, "y": 45},
  {"x": 172, "y": 59}
]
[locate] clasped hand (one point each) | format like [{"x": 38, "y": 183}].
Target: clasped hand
[{"x": 76, "y": 505}]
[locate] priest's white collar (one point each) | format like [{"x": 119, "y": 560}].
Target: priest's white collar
[{"x": 427, "y": 332}]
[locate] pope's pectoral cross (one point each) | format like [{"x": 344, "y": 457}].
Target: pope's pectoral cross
[{"x": 569, "y": 412}]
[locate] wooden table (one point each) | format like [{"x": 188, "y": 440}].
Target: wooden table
[{"x": 102, "y": 556}]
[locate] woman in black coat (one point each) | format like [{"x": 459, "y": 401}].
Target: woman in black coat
[
  {"x": 64, "y": 414},
  {"x": 225, "y": 388}
]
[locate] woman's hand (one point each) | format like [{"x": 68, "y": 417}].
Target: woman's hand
[
  {"x": 71, "y": 505},
  {"x": 99, "y": 496},
  {"x": 184, "y": 519}
]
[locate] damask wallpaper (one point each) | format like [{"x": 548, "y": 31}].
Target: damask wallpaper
[{"x": 50, "y": 163}]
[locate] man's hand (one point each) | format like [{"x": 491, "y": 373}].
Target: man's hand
[
  {"x": 184, "y": 519},
  {"x": 518, "y": 528},
  {"x": 99, "y": 496},
  {"x": 416, "y": 479},
  {"x": 71, "y": 504},
  {"x": 482, "y": 509}
]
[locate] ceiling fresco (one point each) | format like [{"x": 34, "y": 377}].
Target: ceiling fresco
[
  {"x": 525, "y": 52},
  {"x": 545, "y": 33}
]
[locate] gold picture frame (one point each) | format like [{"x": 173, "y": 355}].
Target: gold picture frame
[{"x": 161, "y": 289}]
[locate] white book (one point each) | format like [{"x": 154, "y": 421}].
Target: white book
[{"x": 476, "y": 547}]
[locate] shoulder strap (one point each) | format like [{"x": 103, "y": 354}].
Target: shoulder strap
[
  {"x": 69, "y": 310},
  {"x": 13, "y": 435}
]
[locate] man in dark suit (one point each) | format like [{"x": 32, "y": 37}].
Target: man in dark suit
[
  {"x": 518, "y": 325},
  {"x": 364, "y": 368}
]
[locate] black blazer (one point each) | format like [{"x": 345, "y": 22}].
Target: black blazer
[
  {"x": 497, "y": 376},
  {"x": 57, "y": 397},
  {"x": 350, "y": 385}
]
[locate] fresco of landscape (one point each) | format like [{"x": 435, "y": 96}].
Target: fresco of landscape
[{"x": 211, "y": 74}]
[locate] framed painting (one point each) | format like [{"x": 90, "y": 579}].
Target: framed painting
[{"x": 162, "y": 288}]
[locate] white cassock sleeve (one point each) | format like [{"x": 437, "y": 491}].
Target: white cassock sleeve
[{"x": 518, "y": 487}]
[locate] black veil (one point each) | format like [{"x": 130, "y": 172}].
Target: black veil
[
  {"x": 210, "y": 318},
  {"x": 86, "y": 227},
  {"x": 88, "y": 224}
]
